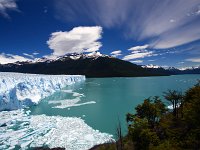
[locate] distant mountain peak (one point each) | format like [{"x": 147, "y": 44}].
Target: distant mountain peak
[
  {"x": 92, "y": 65},
  {"x": 74, "y": 56},
  {"x": 189, "y": 68},
  {"x": 151, "y": 66}
]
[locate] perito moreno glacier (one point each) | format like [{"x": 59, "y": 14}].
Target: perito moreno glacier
[
  {"x": 18, "y": 90},
  {"x": 19, "y": 129}
]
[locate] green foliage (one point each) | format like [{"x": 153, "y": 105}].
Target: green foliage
[
  {"x": 151, "y": 109},
  {"x": 192, "y": 105},
  {"x": 141, "y": 134},
  {"x": 166, "y": 145},
  {"x": 142, "y": 125},
  {"x": 154, "y": 127}
]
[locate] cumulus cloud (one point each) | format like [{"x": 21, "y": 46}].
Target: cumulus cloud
[
  {"x": 7, "y": 5},
  {"x": 170, "y": 23},
  {"x": 9, "y": 58},
  {"x": 196, "y": 60},
  {"x": 116, "y": 53},
  {"x": 78, "y": 40}
]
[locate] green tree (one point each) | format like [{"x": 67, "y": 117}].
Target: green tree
[
  {"x": 141, "y": 135},
  {"x": 142, "y": 125},
  {"x": 191, "y": 115},
  {"x": 151, "y": 109},
  {"x": 175, "y": 98}
]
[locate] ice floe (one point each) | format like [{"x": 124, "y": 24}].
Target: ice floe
[
  {"x": 19, "y": 130},
  {"x": 69, "y": 103}
]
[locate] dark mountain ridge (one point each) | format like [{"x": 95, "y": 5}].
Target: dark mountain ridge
[
  {"x": 92, "y": 65},
  {"x": 173, "y": 70},
  {"x": 82, "y": 64}
]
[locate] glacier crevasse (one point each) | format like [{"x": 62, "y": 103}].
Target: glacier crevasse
[{"x": 18, "y": 90}]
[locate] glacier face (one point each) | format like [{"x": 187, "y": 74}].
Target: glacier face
[{"x": 18, "y": 90}]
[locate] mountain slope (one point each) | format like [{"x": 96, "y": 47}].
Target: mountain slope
[
  {"x": 172, "y": 70},
  {"x": 93, "y": 66}
]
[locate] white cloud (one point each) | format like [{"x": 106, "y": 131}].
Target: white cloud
[
  {"x": 152, "y": 60},
  {"x": 138, "y": 48},
  {"x": 182, "y": 29},
  {"x": 137, "y": 61},
  {"x": 78, "y": 40},
  {"x": 170, "y": 23},
  {"x": 181, "y": 62},
  {"x": 196, "y": 60},
  {"x": 181, "y": 36},
  {"x": 7, "y": 5},
  {"x": 9, "y": 58},
  {"x": 35, "y": 53},
  {"x": 28, "y": 55},
  {"x": 50, "y": 56},
  {"x": 116, "y": 53},
  {"x": 172, "y": 20},
  {"x": 107, "y": 13},
  {"x": 139, "y": 52},
  {"x": 138, "y": 55},
  {"x": 32, "y": 56}
]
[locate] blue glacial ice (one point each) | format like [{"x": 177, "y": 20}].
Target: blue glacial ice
[{"x": 18, "y": 90}]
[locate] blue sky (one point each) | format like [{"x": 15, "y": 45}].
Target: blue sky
[{"x": 164, "y": 33}]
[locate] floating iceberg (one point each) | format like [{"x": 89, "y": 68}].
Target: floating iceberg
[
  {"x": 21, "y": 131},
  {"x": 18, "y": 90},
  {"x": 69, "y": 103}
]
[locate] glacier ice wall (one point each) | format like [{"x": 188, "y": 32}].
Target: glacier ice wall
[{"x": 18, "y": 90}]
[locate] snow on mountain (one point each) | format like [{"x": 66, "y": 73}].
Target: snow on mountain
[
  {"x": 151, "y": 66},
  {"x": 18, "y": 90},
  {"x": 74, "y": 56},
  {"x": 94, "y": 54},
  {"x": 189, "y": 68}
]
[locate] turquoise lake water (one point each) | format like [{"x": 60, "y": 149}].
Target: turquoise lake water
[{"x": 101, "y": 102}]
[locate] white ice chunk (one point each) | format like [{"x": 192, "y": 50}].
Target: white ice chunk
[
  {"x": 75, "y": 94},
  {"x": 69, "y": 103},
  {"x": 53, "y": 131}
]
